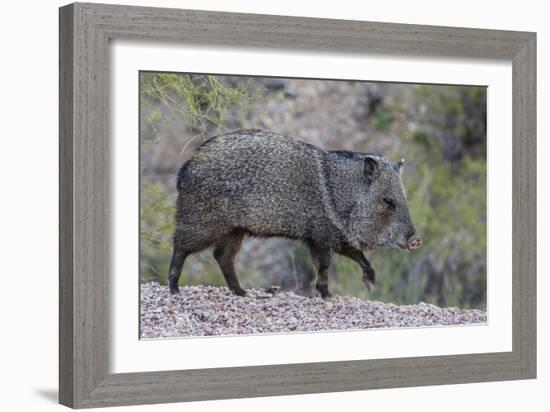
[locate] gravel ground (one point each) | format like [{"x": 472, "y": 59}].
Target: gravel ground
[{"x": 209, "y": 310}]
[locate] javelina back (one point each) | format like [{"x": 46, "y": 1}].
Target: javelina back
[{"x": 253, "y": 182}]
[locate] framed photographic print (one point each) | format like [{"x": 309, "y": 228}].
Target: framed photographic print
[{"x": 256, "y": 205}]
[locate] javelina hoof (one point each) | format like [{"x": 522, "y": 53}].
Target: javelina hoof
[
  {"x": 368, "y": 279},
  {"x": 174, "y": 288},
  {"x": 239, "y": 291},
  {"x": 369, "y": 285},
  {"x": 323, "y": 290}
]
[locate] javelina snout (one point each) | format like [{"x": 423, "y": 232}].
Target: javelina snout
[{"x": 414, "y": 243}]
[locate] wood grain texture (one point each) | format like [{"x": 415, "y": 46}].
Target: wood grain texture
[
  {"x": 524, "y": 205},
  {"x": 66, "y": 229},
  {"x": 85, "y": 31}
]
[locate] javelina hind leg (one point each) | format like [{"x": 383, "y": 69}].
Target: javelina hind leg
[
  {"x": 176, "y": 264},
  {"x": 187, "y": 240},
  {"x": 358, "y": 256},
  {"x": 225, "y": 252},
  {"x": 321, "y": 261}
]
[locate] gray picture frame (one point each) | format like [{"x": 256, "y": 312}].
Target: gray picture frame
[{"x": 85, "y": 32}]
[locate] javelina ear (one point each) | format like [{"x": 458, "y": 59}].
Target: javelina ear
[
  {"x": 399, "y": 165},
  {"x": 370, "y": 168}
]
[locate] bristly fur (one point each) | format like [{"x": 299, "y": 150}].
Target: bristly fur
[{"x": 266, "y": 184}]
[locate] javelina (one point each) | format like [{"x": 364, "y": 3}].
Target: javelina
[{"x": 258, "y": 183}]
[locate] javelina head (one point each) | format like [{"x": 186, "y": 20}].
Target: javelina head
[{"x": 381, "y": 215}]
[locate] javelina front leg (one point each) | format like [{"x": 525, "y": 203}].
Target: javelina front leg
[
  {"x": 225, "y": 252},
  {"x": 321, "y": 262},
  {"x": 358, "y": 256}
]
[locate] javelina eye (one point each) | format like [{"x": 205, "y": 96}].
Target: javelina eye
[{"x": 389, "y": 202}]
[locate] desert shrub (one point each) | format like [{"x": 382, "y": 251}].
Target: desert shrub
[{"x": 202, "y": 101}]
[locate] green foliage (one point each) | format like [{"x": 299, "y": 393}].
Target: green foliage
[
  {"x": 157, "y": 209},
  {"x": 202, "y": 101},
  {"x": 455, "y": 113},
  {"x": 423, "y": 138},
  {"x": 383, "y": 119}
]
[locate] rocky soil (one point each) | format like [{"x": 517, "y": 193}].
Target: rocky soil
[{"x": 209, "y": 310}]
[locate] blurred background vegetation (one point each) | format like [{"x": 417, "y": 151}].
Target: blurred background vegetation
[{"x": 439, "y": 130}]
